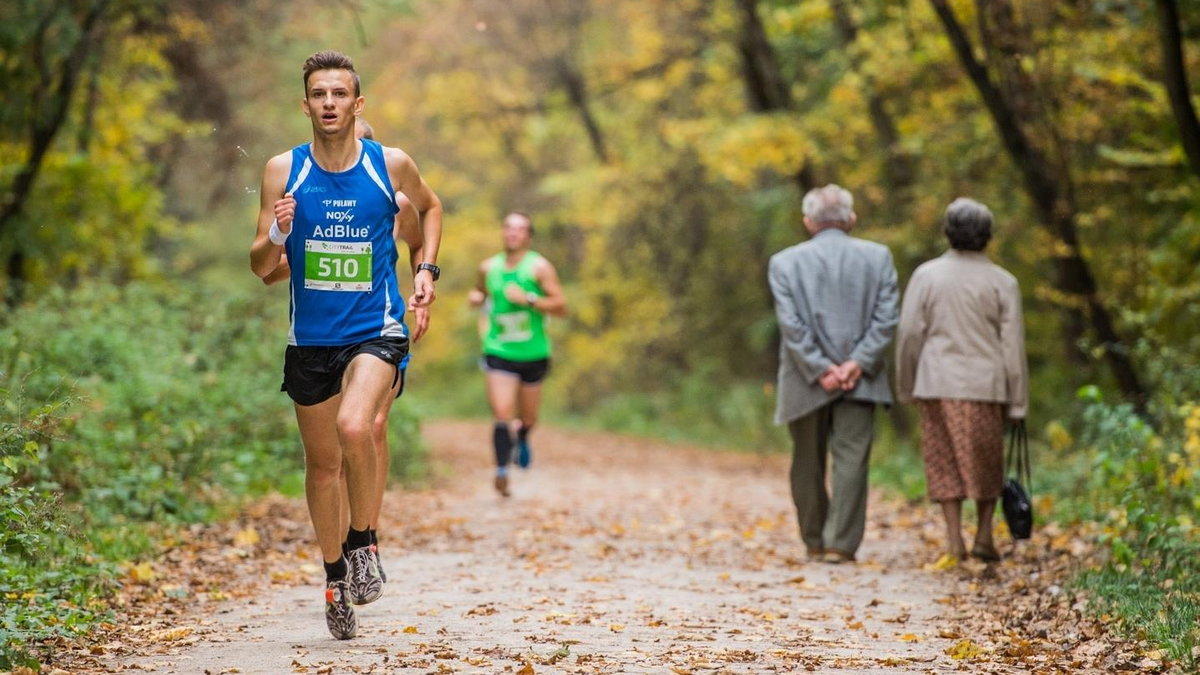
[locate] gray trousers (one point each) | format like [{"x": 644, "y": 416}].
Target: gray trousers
[{"x": 841, "y": 431}]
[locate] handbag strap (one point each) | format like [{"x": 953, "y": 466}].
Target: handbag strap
[{"x": 1018, "y": 454}]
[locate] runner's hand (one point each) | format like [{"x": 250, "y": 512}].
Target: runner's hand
[
  {"x": 423, "y": 291},
  {"x": 285, "y": 211},
  {"x": 515, "y": 294},
  {"x": 421, "y": 315}
]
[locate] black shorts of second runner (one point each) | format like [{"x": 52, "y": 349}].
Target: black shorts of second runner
[
  {"x": 530, "y": 372},
  {"x": 314, "y": 374}
]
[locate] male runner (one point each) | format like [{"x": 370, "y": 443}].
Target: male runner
[
  {"x": 523, "y": 288},
  {"x": 331, "y": 204},
  {"x": 408, "y": 230}
]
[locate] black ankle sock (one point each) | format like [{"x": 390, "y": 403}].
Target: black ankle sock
[
  {"x": 503, "y": 440},
  {"x": 523, "y": 432},
  {"x": 336, "y": 570},
  {"x": 357, "y": 538},
  {"x": 374, "y": 536}
]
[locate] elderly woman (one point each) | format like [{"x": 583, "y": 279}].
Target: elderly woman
[{"x": 960, "y": 353}]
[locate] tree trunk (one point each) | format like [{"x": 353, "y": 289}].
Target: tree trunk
[
  {"x": 578, "y": 95},
  {"x": 1053, "y": 205},
  {"x": 1175, "y": 77},
  {"x": 49, "y": 117}
]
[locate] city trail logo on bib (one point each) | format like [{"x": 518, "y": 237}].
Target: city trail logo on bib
[
  {"x": 514, "y": 327},
  {"x": 337, "y": 265}
]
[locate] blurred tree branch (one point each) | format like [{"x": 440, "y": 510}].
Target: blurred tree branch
[{"x": 1175, "y": 77}]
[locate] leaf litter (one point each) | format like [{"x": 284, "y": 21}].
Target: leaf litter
[{"x": 625, "y": 555}]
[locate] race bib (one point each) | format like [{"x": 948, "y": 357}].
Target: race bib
[
  {"x": 337, "y": 265},
  {"x": 514, "y": 327}
]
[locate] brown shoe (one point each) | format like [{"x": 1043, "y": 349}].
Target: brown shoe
[
  {"x": 985, "y": 552},
  {"x": 835, "y": 557},
  {"x": 816, "y": 553},
  {"x": 502, "y": 485}
]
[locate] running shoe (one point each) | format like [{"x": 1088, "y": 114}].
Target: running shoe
[
  {"x": 524, "y": 454},
  {"x": 502, "y": 484},
  {"x": 379, "y": 563},
  {"x": 365, "y": 584},
  {"x": 339, "y": 615}
]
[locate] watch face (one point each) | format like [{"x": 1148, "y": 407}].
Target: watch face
[{"x": 433, "y": 269}]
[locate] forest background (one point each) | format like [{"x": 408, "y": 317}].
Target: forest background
[{"x": 662, "y": 147}]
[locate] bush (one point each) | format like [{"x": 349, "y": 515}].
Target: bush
[
  {"x": 47, "y": 579},
  {"x": 1145, "y": 492},
  {"x": 126, "y": 411}
]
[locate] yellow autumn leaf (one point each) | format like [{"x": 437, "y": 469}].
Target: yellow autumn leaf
[
  {"x": 246, "y": 537},
  {"x": 143, "y": 573},
  {"x": 616, "y": 627},
  {"x": 965, "y": 649},
  {"x": 946, "y": 562},
  {"x": 910, "y": 637},
  {"x": 410, "y": 629},
  {"x": 171, "y": 634}
]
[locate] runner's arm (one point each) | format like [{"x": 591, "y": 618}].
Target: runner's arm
[
  {"x": 274, "y": 206},
  {"x": 407, "y": 179},
  {"x": 407, "y": 228},
  {"x": 478, "y": 295},
  {"x": 552, "y": 302},
  {"x": 281, "y": 272}
]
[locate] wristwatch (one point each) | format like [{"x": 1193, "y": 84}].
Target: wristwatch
[
  {"x": 531, "y": 298},
  {"x": 433, "y": 269}
]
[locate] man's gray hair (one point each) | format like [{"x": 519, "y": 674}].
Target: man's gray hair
[
  {"x": 829, "y": 204},
  {"x": 968, "y": 224}
]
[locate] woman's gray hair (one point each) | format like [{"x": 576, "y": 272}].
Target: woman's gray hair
[
  {"x": 829, "y": 204},
  {"x": 968, "y": 225}
]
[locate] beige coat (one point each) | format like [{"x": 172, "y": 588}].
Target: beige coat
[{"x": 962, "y": 335}]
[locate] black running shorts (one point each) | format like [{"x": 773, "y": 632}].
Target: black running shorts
[
  {"x": 314, "y": 374},
  {"x": 530, "y": 372}
]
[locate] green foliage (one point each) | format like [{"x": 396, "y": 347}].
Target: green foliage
[
  {"x": 47, "y": 579},
  {"x": 1145, "y": 491},
  {"x": 126, "y": 411}
]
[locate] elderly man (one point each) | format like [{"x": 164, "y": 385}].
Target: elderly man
[{"x": 836, "y": 301}]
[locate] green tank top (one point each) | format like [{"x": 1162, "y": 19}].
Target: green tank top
[{"x": 515, "y": 332}]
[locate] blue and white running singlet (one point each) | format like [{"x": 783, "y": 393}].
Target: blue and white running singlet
[{"x": 342, "y": 254}]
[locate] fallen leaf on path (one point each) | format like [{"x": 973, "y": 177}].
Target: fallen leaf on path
[
  {"x": 616, "y": 627},
  {"x": 526, "y": 670},
  {"x": 946, "y": 562},
  {"x": 143, "y": 573},
  {"x": 410, "y": 629},
  {"x": 965, "y": 649},
  {"x": 246, "y": 537},
  {"x": 171, "y": 634},
  {"x": 910, "y": 637}
]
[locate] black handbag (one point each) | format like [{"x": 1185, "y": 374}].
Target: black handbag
[{"x": 1015, "y": 502}]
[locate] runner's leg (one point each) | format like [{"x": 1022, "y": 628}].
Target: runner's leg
[
  {"x": 365, "y": 386},
  {"x": 529, "y": 401},
  {"x": 502, "y": 387},
  {"x": 322, "y": 469},
  {"x": 382, "y": 463}
]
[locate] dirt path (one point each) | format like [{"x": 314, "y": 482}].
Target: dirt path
[{"x": 613, "y": 556}]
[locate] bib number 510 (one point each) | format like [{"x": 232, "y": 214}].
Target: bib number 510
[{"x": 338, "y": 268}]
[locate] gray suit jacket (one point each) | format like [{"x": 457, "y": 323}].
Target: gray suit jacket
[{"x": 836, "y": 300}]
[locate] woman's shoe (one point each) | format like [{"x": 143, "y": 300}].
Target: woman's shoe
[{"x": 985, "y": 552}]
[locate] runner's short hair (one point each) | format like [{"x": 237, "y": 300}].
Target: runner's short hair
[
  {"x": 522, "y": 214},
  {"x": 330, "y": 59}
]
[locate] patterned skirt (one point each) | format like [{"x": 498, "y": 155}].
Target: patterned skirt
[{"x": 963, "y": 445}]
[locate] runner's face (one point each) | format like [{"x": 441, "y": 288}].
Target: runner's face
[
  {"x": 516, "y": 234},
  {"x": 331, "y": 103}
]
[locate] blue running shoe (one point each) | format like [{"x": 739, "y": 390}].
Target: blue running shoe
[{"x": 524, "y": 454}]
